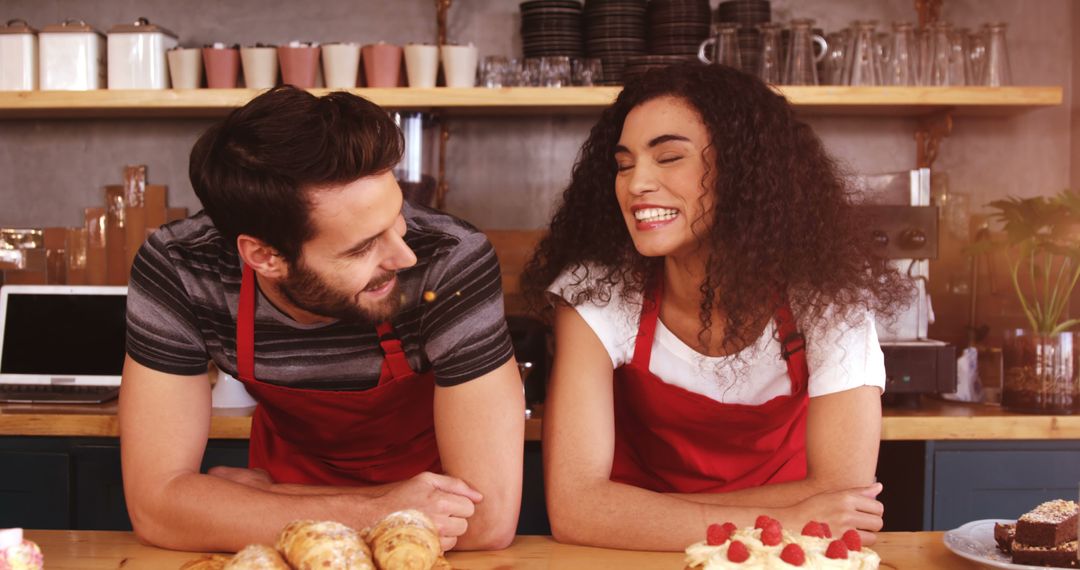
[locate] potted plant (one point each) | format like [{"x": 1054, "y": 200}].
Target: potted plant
[{"x": 1042, "y": 247}]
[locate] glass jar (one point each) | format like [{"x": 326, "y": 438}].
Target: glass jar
[{"x": 1040, "y": 373}]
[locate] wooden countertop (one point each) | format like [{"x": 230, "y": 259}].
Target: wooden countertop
[
  {"x": 100, "y": 550},
  {"x": 936, "y": 420}
]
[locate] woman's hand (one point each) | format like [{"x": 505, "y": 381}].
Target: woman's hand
[{"x": 854, "y": 508}]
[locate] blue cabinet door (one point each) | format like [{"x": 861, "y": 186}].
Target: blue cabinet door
[
  {"x": 35, "y": 489},
  {"x": 989, "y": 480}
]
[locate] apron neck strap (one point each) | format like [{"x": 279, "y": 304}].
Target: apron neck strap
[
  {"x": 792, "y": 346},
  {"x": 650, "y": 314},
  {"x": 245, "y": 326}
]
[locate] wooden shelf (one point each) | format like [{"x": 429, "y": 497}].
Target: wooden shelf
[
  {"x": 936, "y": 420},
  {"x": 825, "y": 100}
]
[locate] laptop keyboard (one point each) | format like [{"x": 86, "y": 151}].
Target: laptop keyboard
[{"x": 57, "y": 393}]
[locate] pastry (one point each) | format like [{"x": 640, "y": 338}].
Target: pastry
[
  {"x": 317, "y": 545},
  {"x": 405, "y": 540},
  {"x": 257, "y": 557},
  {"x": 17, "y": 553},
  {"x": 1043, "y": 536},
  {"x": 208, "y": 562}
]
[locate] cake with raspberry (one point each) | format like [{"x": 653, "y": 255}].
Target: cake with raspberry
[
  {"x": 17, "y": 553},
  {"x": 768, "y": 546}
]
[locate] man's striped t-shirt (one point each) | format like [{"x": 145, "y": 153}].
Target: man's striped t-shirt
[{"x": 185, "y": 287}]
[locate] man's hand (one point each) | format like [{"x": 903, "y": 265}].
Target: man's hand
[
  {"x": 447, "y": 500},
  {"x": 257, "y": 478}
]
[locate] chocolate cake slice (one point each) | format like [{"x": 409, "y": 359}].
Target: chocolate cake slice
[
  {"x": 1004, "y": 535},
  {"x": 1061, "y": 556},
  {"x": 1048, "y": 525}
]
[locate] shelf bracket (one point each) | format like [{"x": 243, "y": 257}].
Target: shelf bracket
[
  {"x": 928, "y": 137},
  {"x": 929, "y": 11},
  {"x": 442, "y": 7},
  {"x": 443, "y": 186}
]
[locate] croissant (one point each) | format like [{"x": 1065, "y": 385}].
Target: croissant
[
  {"x": 257, "y": 557},
  {"x": 207, "y": 562},
  {"x": 317, "y": 545},
  {"x": 405, "y": 540}
]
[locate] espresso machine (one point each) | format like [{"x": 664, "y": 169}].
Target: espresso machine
[{"x": 904, "y": 227}]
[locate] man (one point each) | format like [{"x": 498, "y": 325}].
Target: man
[{"x": 370, "y": 331}]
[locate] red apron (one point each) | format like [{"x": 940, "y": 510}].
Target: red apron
[
  {"x": 669, "y": 439},
  {"x": 339, "y": 438}
]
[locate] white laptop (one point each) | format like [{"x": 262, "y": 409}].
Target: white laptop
[{"x": 61, "y": 343}]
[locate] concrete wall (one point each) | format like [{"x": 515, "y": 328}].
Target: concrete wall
[{"x": 505, "y": 172}]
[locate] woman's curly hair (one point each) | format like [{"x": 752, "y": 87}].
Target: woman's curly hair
[{"x": 783, "y": 220}]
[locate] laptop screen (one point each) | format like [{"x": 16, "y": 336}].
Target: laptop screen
[{"x": 62, "y": 333}]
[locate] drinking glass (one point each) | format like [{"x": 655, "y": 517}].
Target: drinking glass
[
  {"x": 725, "y": 47},
  {"x": 835, "y": 59},
  {"x": 977, "y": 57},
  {"x": 801, "y": 65},
  {"x": 493, "y": 71},
  {"x": 555, "y": 71},
  {"x": 997, "y": 72},
  {"x": 865, "y": 69},
  {"x": 959, "y": 62},
  {"x": 900, "y": 69},
  {"x": 941, "y": 72},
  {"x": 587, "y": 71},
  {"x": 770, "y": 66}
]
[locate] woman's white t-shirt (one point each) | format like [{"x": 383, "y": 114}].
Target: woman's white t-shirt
[{"x": 840, "y": 356}]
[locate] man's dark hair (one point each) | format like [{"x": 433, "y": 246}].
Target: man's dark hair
[{"x": 254, "y": 171}]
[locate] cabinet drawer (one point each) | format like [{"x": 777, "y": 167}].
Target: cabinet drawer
[
  {"x": 984, "y": 480},
  {"x": 34, "y": 490}
]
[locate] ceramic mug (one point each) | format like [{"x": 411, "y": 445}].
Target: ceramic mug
[
  {"x": 459, "y": 64},
  {"x": 185, "y": 67},
  {"x": 299, "y": 64},
  {"x": 222, "y": 66},
  {"x": 260, "y": 65},
  {"x": 341, "y": 64},
  {"x": 382, "y": 64},
  {"x": 421, "y": 64}
]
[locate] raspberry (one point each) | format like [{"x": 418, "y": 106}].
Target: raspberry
[
  {"x": 730, "y": 526},
  {"x": 770, "y": 535},
  {"x": 737, "y": 552},
  {"x": 837, "y": 550},
  {"x": 828, "y": 531},
  {"x": 761, "y": 521},
  {"x": 813, "y": 528},
  {"x": 717, "y": 534},
  {"x": 793, "y": 554},
  {"x": 852, "y": 540}
]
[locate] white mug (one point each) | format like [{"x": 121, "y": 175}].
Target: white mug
[
  {"x": 185, "y": 67},
  {"x": 341, "y": 64},
  {"x": 260, "y": 66},
  {"x": 459, "y": 64},
  {"x": 421, "y": 64}
]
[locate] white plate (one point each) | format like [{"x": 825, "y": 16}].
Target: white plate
[{"x": 975, "y": 541}]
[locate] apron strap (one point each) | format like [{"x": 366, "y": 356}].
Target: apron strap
[
  {"x": 792, "y": 347},
  {"x": 650, "y": 314},
  {"x": 245, "y": 326},
  {"x": 395, "y": 364}
]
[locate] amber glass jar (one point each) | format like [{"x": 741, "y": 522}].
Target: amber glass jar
[{"x": 1041, "y": 373}]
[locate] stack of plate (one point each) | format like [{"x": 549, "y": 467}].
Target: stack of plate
[
  {"x": 748, "y": 14},
  {"x": 644, "y": 63},
  {"x": 551, "y": 28},
  {"x": 677, "y": 27},
  {"x": 614, "y": 32}
]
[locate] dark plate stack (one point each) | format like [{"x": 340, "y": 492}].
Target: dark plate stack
[
  {"x": 551, "y": 28},
  {"x": 614, "y": 32},
  {"x": 677, "y": 27},
  {"x": 643, "y": 63},
  {"x": 748, "y": 14}
]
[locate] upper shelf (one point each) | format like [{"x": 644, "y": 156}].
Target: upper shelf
[{"x": 824, "y": 100}]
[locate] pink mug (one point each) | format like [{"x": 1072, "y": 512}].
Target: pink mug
[
  {"x": 299, "y": 64},
  {"x": 222, "y": 66},
  {"x": 382, "y": 64}
]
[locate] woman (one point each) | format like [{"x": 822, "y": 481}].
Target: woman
[{"x": 716, "y": 357}]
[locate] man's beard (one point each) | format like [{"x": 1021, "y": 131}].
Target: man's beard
[{"x": 305, "y": 289}]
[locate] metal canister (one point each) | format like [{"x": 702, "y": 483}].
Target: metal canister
[
  {"x": 137, "y": 55},
  {"x": 18, "y": 56},
  {"x": 72, "y": 57}
]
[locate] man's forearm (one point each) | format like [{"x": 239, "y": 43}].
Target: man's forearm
[{"x": 206, "y": 513}]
